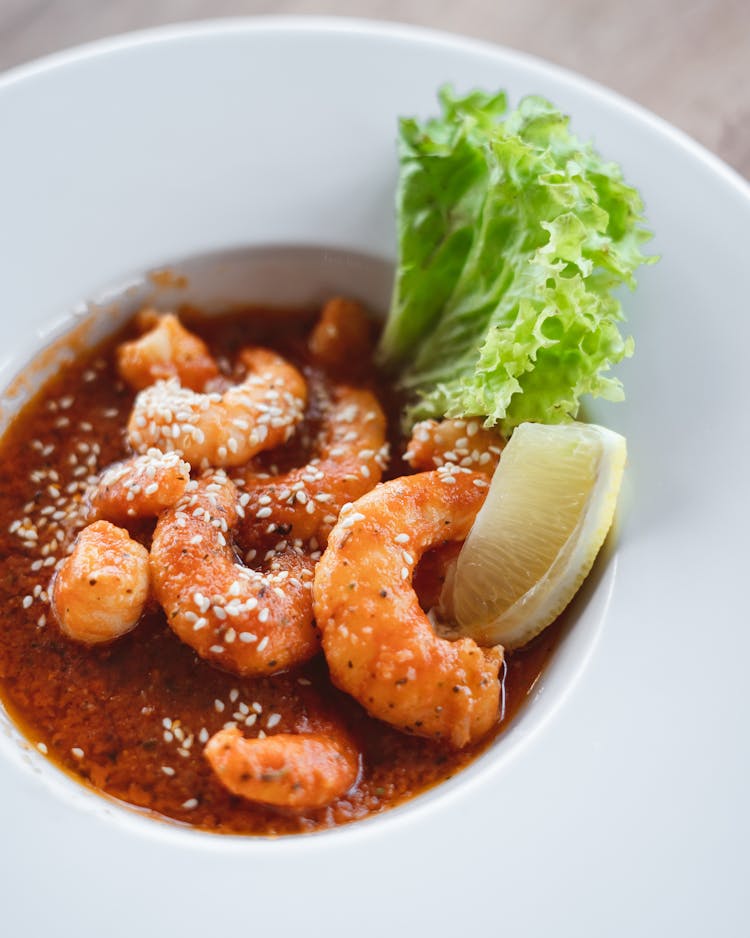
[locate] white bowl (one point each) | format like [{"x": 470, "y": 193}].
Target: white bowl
[{"x": 616, "y": 804}]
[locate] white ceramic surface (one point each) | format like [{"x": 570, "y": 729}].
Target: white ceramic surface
[{"x": 617, "y": 804}]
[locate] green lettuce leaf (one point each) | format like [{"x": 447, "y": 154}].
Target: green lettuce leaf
[{"x": 513, "y": 236}]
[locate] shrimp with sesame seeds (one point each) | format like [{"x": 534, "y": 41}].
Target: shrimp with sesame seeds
[
  {"x": 350, "y": 455},
  {"x": 100, "y": 591},
  {"x": 380, "y": 646},
  {"x": 342, "y": 338},
  {"x": 222, "y": 429},
  {"x": 241, "y": 619},
  {"x": 465, "y": 443},
  {"x": 291, "y": 770},
  {"x": 139, "y": 487},
  {"x": 165, "y": 350}
]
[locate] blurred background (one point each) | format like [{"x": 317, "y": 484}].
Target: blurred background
[{"x": 687, "y": 60}]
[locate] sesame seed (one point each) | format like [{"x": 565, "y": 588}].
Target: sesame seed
[
  {"x": 167, "y": 770},
  {"x": 190, "y": 804},
  {"x": 273, "y": 720},
  {"x": 351, "y": 518},
  {"x": 42, "y": 748},
  {"x": 77, "y": 752}
]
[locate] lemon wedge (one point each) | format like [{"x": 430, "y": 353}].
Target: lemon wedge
[{"x": 548, "y": 510}]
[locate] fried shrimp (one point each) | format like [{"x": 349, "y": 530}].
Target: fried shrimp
[
  {"x": 292, "y": 770},
  {"x": 464, "y": 443},
  {"x": 101, "y": 589},
  {"x": 222, "y": 429},
  {"x": 342, "y": 337},
  {"x": 166, "y": 350},
  {"x": 243, "y": 620},
  {"x": 140, "y": 487},
  {"x": 350, "y": 454},
  {"x": 379, "y": 644}
]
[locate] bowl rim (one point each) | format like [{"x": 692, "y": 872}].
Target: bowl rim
[{"x": 311, "y": 24}]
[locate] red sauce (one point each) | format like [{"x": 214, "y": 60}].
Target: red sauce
[{"x": 130, "y": 719}]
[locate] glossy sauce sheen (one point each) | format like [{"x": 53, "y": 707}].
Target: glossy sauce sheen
[{"x": 131, "y": 718}]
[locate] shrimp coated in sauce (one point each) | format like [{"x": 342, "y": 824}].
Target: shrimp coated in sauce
[
  {"x": 243, "y": 620},
  {"x": 165, "y": 350},
  {"x": 222, "y": 429},
  {"x": 350, "y": 454},
  {"x": 292, "y": 770},
  {"x": 342, "y": 338},
  {"x": 379, "y": 644},
  {"x": 100, "y": 591},
  {"x": 139, "y": 487},
  {"x": 464, "y": 443}
]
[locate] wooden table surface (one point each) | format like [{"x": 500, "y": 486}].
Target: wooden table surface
[{"x": 687, "y": 60}]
